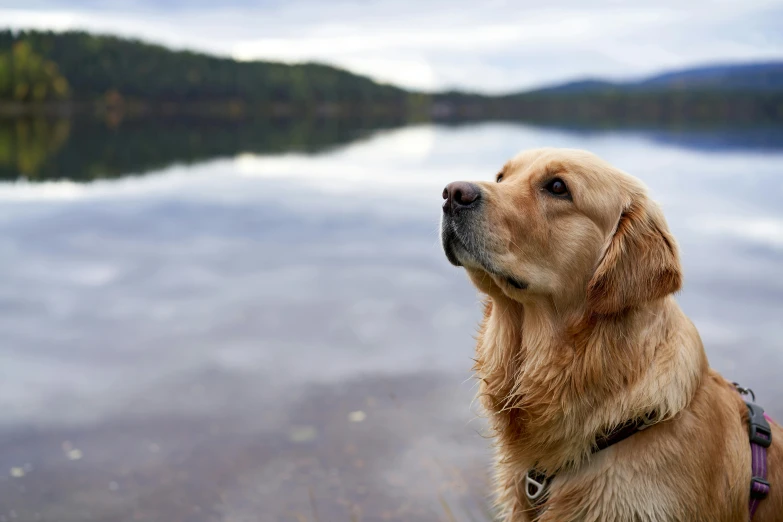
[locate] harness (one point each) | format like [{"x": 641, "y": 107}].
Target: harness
[
  {"x": 760, "y": 436},
  {"x": 759, "y": 433}
]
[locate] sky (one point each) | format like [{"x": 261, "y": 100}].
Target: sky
[{"x": 491, "y": 46}]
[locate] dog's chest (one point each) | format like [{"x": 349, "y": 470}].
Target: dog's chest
[{"x": 610, "y": 493}]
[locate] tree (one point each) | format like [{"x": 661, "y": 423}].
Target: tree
[{"x": 25, "y": 76}]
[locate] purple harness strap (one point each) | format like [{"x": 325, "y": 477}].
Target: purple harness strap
[
  {"x": 760, "y": 436},
  {"x": 759, "y": 487}
]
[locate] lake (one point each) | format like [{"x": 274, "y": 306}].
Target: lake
[{"x": 255, "y": 322}]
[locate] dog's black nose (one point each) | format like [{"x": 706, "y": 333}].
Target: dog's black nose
[{"x": 460, "y": 194}]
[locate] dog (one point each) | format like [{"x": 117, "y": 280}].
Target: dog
[{"x": 581, "y": 335}]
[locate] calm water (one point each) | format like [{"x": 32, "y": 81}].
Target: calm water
[{"x": 275, "y": 334}]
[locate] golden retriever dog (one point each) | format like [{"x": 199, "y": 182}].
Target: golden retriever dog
[{"x": 582, "y": 335}]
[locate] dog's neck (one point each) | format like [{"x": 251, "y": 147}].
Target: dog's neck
[{"x": 552, "y": 381}]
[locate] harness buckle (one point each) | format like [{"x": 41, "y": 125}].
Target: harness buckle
[
  {"x": 759, "y": 488},
  {"x": 758, "y": 428},
  {"x": 535, "y": 485}
]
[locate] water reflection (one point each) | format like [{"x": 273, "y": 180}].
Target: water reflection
[
  {"x": 195, "y": 344},
  {"x": 87, "y": 149}
]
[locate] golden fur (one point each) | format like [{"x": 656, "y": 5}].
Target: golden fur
[{"x": 594, "y": 339}]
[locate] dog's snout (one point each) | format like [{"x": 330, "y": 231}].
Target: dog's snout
[{"x": 460, "y": 194}]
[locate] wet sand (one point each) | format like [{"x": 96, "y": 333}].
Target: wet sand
[{"x": 312, "y": 458}]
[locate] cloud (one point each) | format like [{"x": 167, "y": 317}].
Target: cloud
[{"x": 490, "y": 46}]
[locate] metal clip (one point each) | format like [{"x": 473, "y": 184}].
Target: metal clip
[
  {"x": 648, "y": 419},
  {"x": 744, "y": 391},
  {"x": 535, "y": 485}
]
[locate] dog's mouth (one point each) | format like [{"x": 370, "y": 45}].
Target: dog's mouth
[
  {"x": 462, "y": 251},
  {"x": 517, "y": 283},
  {"x": 451, "y": 244},
  {"x": 459, "y": 247}
]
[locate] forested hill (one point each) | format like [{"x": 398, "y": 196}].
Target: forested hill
[{"x": 38, "y": 66}]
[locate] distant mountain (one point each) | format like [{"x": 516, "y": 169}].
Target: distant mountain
[
  {"x": 578, "y": 86},
  {"x": 751, "y": 77}
]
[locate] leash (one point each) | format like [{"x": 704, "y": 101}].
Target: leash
[
  {"x": 760, "y": 436},
  {"x": 759, "y": 433}
]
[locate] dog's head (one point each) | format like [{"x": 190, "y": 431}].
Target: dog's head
[{"x": 563, "y": 225}]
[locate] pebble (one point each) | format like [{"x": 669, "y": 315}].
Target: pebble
[
  {"x": 75, "y": 454},
  {"x": 302, "y": 433},
  {"x": 357, "y": 416}
]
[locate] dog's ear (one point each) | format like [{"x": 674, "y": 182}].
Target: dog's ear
[{"x": 641, "y": 263}]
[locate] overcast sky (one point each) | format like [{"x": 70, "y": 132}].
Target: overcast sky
[{"x": 491, "y": 46}]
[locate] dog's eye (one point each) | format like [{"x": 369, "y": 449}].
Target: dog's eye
[
  {"x": 499, "y": 178},
  {"x": 557, "y": 187}
]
